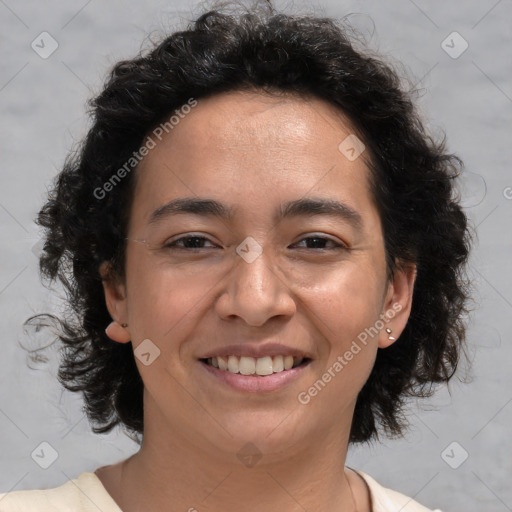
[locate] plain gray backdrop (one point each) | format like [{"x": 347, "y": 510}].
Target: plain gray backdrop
[{"x": 466, "y": 92}]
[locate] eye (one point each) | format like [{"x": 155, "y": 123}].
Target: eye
[
  {"x": 189, "y": 242},
  {"x": 320, "y": 240},
  {"x": 197, "y": 242}
]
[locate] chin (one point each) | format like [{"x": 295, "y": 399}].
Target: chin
[{"x": 270, "y": 431}]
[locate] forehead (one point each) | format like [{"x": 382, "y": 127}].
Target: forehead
[
  {"x": 243, "y": 121},
  {"x": 255, "y": 146}
]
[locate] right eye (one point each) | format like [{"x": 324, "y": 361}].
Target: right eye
[{"x": 189, "y": 242}]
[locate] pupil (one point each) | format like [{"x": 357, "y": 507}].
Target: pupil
[
  {"x": 318, "y": 241},
  {"x": 199, "y": 240}
]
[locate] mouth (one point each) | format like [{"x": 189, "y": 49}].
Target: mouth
[
  {"x": 256, "y": 367},
  {"x": 254, "y": 374}
]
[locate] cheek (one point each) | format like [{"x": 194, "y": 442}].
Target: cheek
[
  {"x": 345, "y": 307},
  {"x": 346, "y": 300},
  {"x": 163, "y": 307},
  {"x": 161, "y": 301}
]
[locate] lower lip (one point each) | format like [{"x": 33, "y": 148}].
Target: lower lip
[{"x": 256, "y": 383}]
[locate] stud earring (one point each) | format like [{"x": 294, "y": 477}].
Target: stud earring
[
  {"x": 389, "y": 331},
  {"x": 124, "y": 325}
]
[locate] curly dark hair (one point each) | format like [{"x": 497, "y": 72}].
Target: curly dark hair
[{"x": 412, "y": 180}]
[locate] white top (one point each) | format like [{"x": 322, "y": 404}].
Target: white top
[{"x": 87, "y": 494}]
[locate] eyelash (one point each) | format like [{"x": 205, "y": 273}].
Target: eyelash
[{"x": 173, "y": 246}]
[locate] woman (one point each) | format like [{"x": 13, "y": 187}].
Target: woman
[{"x": 264, "y": 259}]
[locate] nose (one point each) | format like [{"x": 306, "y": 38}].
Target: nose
[{"x": 255, "y": 291}]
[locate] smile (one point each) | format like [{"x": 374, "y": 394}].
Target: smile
[{"x": 261, "y": 366}]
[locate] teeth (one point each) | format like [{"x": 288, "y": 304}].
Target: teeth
[
  {"x": 251, "y": 366},
  {"x": 277, "y": 363},
  {"x": 246, "y": 365},
  {"x": 233, "y": 364},
  {"x": 264, "y": 366}
]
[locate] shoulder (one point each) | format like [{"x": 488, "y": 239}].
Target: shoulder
[
  {"x": 82, "y": 494},
  {"x": 387, "y": 500}
]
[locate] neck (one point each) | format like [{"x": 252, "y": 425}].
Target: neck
[{"x": 171, "y": 470}]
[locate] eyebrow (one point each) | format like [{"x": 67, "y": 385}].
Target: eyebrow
[{"x": 304, "y": 207}]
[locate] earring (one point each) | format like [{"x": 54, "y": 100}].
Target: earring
[
  {"x": 389, "y": 331},
  {"x": 117, "y": 332}
]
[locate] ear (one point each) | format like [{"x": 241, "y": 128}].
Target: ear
[
  {"x": 115, "y": 298},
  {"x": 397, "y": 304}
]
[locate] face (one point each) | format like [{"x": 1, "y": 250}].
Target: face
[{"x": 268, "y": 270}]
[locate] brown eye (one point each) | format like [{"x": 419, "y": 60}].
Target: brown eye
[
  {"x": 189, "y": 242},
  {"x": 319, "y": 242}
]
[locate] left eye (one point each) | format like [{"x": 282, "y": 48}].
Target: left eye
[
  {"x": 322, "y": 240},
  {"x": 195, "y": 242}
]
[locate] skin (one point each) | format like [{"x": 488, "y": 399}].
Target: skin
[{"x": 251, "y": 151}]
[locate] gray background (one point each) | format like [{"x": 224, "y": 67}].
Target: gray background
[{"x": 470, "y": 97}]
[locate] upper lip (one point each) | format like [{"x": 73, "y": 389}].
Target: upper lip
[{"x": 257, "y": 351}]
